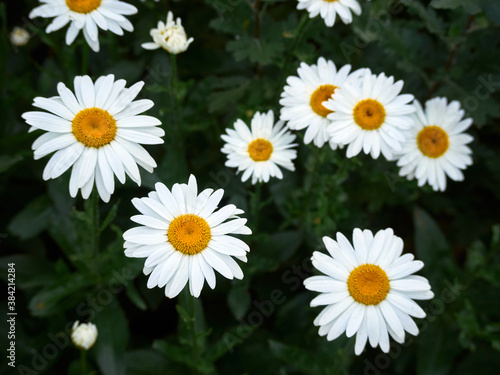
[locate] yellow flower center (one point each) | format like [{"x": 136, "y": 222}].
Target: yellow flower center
[
  {"x": 369, "y": 114},
  {"x": 94, "y": 127},
  {"x": 368, "y": 284},
  {"x": 260, "y": 149},
  {"x": 322, "y": 94},
  {"x": 83, "y": 6},
  {"x": 433, "y": 141},
  {"x": 189, "y": 234}
]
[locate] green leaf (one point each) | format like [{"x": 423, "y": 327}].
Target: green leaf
[
  {"x": 260, "y": 50},
  {"x": 62, "y": 293},
  {"x": 33, "y": 219},
  {"x": 135, "y": 297},
  {"x": 239, "y": 300},
  {"x": 113, "y": 337},
  {"x": 110, "y": 216},
  {"x": 470, "y": 6},
  {"x": 31, "y": 271},
  {"x": 430, "y": 244},
  {"x": 437, "y": 348},
  {"x": 433, "y": 23},
  {"x": 492, "y": 10}
]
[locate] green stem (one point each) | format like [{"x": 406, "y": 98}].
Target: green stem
[
  {"x": 95, "y": 222},
  {"x": 188, "y": 303},
  {"x": 83, "y": 361},
  {"x": 85, "y": 59},
  {"x": 173, "y": 72},
  {"x": 173, "y": 87},
  {"x": 304, "y": 21},
  {"x": 255, "y": 204},
  {"x": 192, "y": 322}
]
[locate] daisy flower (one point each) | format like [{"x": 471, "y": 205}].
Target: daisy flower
[
  {"x": 260, "y": 150},
  {"x": 170, "y": 36},
  {"x": 86, "y": 15},
  {"x": 436, "y": 145},
  {"x": 303, "y": 97},
  {"x": 368, "y": 290},
  {"x": 370, "y": 115},
  {"x": 330, "y": 8},
  {"x": 184, "y": 238},
  {"x": 98, "y": 131}
]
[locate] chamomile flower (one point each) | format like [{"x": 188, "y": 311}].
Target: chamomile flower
[
  {"x": 436, "y": 146},
  {"x": 98, "y": 131},
  {"x": 369, "y": 115},
  {"x": 368, "y": 289},
  {"x": 303, "y": 97},
  {"x": 185, "y": 238},
  {"x": 261, "y": 150},
  {"x": 87, "y": 16},
  {"x": 329, "y": 9},
  {"x": 170, "y": 36}
]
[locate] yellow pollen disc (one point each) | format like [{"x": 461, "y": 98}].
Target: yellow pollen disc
[
  {"x": 83, "y": 6},
  {"x": 94, "y": 127},
  {"x": 369, "y": 114},
  {"x": 189, "y": 234},
  {"x": 368, "y": 284},
  {"x": 260, "y": 149},
  {"x": 322, "y": 94},
  {"x": 433, "y": 141}
]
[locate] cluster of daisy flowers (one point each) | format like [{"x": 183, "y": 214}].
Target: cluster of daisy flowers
[
  {"x": 88, "y": 16},
  {"x": 369, "y": 114},
  {"x": 98, "y": 131}
]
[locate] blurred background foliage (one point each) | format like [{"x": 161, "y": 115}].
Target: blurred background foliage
[{"x": 242, "y": 53}]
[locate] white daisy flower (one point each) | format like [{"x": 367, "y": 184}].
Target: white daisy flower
[
  {"x": 330, "y": 8},
  {"x": 170, "y": 36},
  {"x": 436, "y": 146},
  {"x": 84, "y": 335},
  {"x": 184, "y": 238},
  {"x": 369, "y": 115},
  {"x": 303, "y": 97},
  {"x": 260, "y": 150},
  {"x": 86, "y": 15},
  {"x": 19, "y": 37},
  {"x": 98, "y": 132},
  {"x": 368, "y": 290}
]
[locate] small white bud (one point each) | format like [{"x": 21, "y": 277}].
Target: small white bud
[{"x": 84, "y": 335}]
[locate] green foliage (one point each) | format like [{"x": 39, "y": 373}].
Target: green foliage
[{"x": 242, "y": 53}]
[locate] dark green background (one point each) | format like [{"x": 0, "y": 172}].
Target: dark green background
[{"x": 242, "y": 53}]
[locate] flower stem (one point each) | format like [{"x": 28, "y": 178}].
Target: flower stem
[
  {"x": 255, "y": 204},
  {"x": 304, "y": 21},
  {"x": 85, "y": 59},
  {"x": 173, "y": 86},
  {"x": 188, "y": 304},
  {"x": 83, "y": 361},
  {"x": 95, "y": 222}
]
